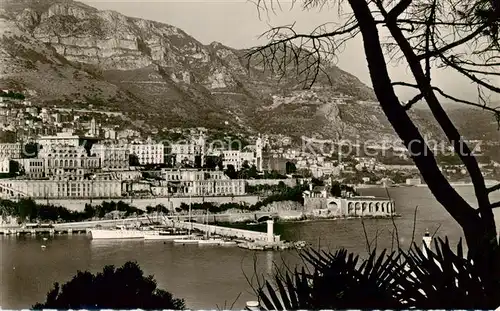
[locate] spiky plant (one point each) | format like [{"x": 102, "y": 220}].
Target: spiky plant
[
  {"x": 406, "y": 279},
  {"x": 446, "y": 279}
]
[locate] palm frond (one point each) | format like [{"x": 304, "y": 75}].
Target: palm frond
[{"x": 411, "y": 278}]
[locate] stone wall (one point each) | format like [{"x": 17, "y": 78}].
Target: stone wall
[{"x": 171, "y": 203}]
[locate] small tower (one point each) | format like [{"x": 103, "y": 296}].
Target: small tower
[
  {"x": 426, "y": 242},
  {"x": 258, "y": 153},
  {"x": 270, "y": 231},
  {"x": 93, "y": 128},
  {"x": 202, "y": 147}
]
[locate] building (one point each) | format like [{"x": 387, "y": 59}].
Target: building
[
  {"x": 188, "y": 151},
  {"x": 65, "y": 138},
  {"x": 10, "y": 151},
  {"x": 320, "y": 205},
  {"x": 112, "y": 157},
  {"x": 197, "y": 182},
  {"x": 275, "y": 162},
  {"x": 33, "y": 168},
  {"x": 67, "y": 162},
  {"x": 60, "y": 189},
  {"x": 4, "y": 166},
  {"x": 148, "y": 152},
  {"x": 252, "y": 155},
  {"x": 94, "y": 131}
]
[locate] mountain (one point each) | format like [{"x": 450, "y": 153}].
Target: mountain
[{"x": 69, "y": 54}]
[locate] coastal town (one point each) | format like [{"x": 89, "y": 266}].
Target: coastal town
[
  {"x": 249, "y": 155},
  {"x": 78, "y": 160}
]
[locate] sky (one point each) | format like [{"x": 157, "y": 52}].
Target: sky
[{"x": 236, "y": 23}]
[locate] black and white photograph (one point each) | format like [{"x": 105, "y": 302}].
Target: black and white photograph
[{"x": 249, "y": 154}]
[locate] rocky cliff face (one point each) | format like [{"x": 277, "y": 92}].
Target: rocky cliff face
[{"x": 64, "y": 52}]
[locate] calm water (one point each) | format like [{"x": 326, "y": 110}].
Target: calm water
[{"x": 209, "y": 277}]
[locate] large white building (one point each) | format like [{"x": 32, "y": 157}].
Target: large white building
[
  {"x": 197, "y": 182},
  {"x": 188, "y": 151},
  {"x": 53, "y": 189},
  {"x": 250, "y": 154},
  {"x": 112, "y": 157},
  {"x": 148, "y": 152},
  {"x": 67, "y": 162}
]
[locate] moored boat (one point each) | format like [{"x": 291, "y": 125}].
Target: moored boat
[
  {"x": 119, "y": 233},
  {"x": 157, "y": 237},
  {"x": 189, "y": 240},
  {"x": 228, "y": 243},
  {"x": 210, "y": 241},
  {"x": 166, "y": 235}
]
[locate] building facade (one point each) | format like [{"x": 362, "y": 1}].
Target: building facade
[
  {"x": 53, "y": 189},
  {"x": 319, "y": 203},
  {"x": 198, "y": 183},
  {"x": 33, "y": 168},
  {"x": 65, "y": 138},
  {"x": 188, "y": 151},
  {"x": 4, "y": 166},
  {"x": 252, "y": 155},
  {"x": 148, "y": 152},
  {"x": 112, "y": 157},
  {"x": 67, "y": 162}
]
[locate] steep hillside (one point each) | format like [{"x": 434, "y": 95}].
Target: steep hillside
[{"x": 66, "y": 53}]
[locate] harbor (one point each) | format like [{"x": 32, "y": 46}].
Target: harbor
[{"x": 167, "y": 230}]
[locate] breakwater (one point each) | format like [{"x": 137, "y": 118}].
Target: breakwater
[{"x": 249, "y": 235}]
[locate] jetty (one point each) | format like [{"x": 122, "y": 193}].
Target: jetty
[
  {"x": 248, "y": 239},
  {"x": 235, "y": 233}
]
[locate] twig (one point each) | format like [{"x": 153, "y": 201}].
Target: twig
[
  {"x": 366, "y": 236},
  {"x": 392, "y": 218},
  {"x": 414, "y": 226}
]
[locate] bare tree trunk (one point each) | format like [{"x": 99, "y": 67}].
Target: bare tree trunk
[{"x": 478, "y": 231}]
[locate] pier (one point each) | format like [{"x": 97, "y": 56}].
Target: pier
[
  {"x": 249, "y": 235},
  {"x": 86, "y": 226}
]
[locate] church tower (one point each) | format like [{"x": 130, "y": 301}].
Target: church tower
[{"x": 258, "y": 153}]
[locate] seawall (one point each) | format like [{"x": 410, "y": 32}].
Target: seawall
[{"x": 170, "y": 203}]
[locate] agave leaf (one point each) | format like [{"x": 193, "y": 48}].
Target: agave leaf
[
  {"x": 284, "y": 295},
  {"x": 273, "y": 297},
  {"x": 293, "y": 294}
]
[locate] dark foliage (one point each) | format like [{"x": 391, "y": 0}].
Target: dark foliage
[
  {"x": 122, "y": 288},
  {"x": 406, "y": 279},
  {"x": 28, "y": 209},
  {"x": 337, "y": 189},
  {"x": 231, "y": 172},
  {"x": 13, "y": 95},
  {"x": 291, "y": 168}
]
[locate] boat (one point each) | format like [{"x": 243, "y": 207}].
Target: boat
[
  {"x": 166, "y": 235},
  {"x": 120, "y": 233},
  {"x": 210, "y": 241},
  {"x": 162, "y": 237},
  {"x": 228, "y": 243},
  {"x": 190, "y": 240},
  {"x": 44, "y": 247}
]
